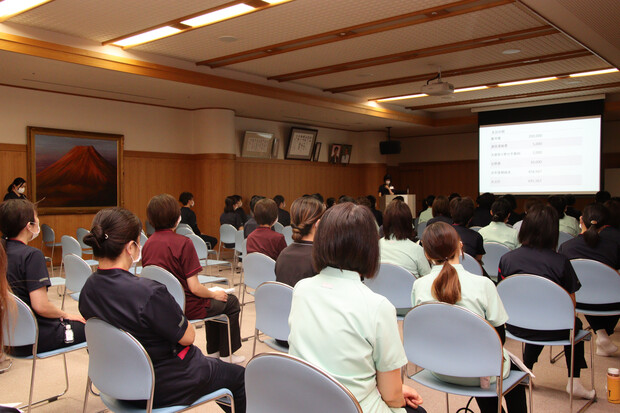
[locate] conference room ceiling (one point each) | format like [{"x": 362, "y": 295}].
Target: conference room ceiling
[{"x": 323, "y": 62}]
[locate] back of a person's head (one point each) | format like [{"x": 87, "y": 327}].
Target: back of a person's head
[
  {"x": 236, "y": 198},
  {"x": 613, "y": 206},
  {"x": 540, "y": 227},
  {"x": 347, "y": 239},
  {"x": 441, "y": 244},
  {"x": 558, "y": 202},
  {"x": 530, "y": 202},
  {"x": 229, "y": 204},
  {"x": 441, "y": 206},
  {"x": 485, "y": 200},
  {"x": 163, "y": 211},
  {"x": 330, "y": 202},
  {"x": 501, "y": 210},
  {"x": 318, "y": 196},
  {"x": 511, "y": 200},
  {"x": 265, "y": 212},
  {"x": 254, "y": 200},
  {"x": 602, "y": 196},
  {"x": 570, "y": 200},
  {"x": 185, "y": 197},
  {"x": 305, "y": 212},
  {"x": 372, "y": 200},
  {"x": 462, "y": 210},
  {"x": 279, "y": 200},
  {"x": 398, "y": 221},
  {"x": 594, "y": 217},
  {"x": 111, "y": 230},
  {"x": 15, "y": 214},
  {"x": 346, "y": 198},
  {"x": 428, "y": 201},
  {"x": 363, "y": 201},
  {"x": 454, "y": 195}
]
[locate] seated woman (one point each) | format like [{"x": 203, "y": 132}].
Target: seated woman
[
  {"x": 441, "y": 210},
  {"x": 450, "y": 283},
  {"x": 239, "y": 208},
  {"x": 295, "y": 262},
  {"x": 568, "y": 224},
  {"x": 397, "y": 247},
  {"x": 334, "y": 310},
  {"x": 145, "y": 309},
  {"x": 427, "y": 209},
  {"x": 16, "y": 190},
  {"x": 189, "y": 217},
  {"x": 263, "y": 239},
  {"x": 176, "y": 253},
  {"x": 497, "y": 230},
  {"x": 28, "y": 278},
  {"x": 592, "y": 246},
  {"x": 462, "y": 211},
  {"x": 537, "y": 255}
]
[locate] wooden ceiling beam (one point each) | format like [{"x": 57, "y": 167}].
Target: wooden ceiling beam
[
  {"x": 345, "y": 33},
  {"x": 420, "y": 53},
  {"x": 526, "y": 61}
]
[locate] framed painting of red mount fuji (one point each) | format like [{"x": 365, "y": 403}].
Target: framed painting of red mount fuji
[{"x": 74, "y": 172}]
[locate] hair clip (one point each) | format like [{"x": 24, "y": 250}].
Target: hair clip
[
  {"x": 593, "y": 222},
  {"x": 105, "y": 236}
]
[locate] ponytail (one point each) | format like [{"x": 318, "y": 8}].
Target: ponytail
[
  {"x": 447, "y": 287},
  {"x": 595, "y": 217}
]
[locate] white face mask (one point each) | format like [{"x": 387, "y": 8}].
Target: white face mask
[
  {"x": 35, "y": 233},
  {"x": 139, "y": 254},
  {"x": 21, "y": 190}
]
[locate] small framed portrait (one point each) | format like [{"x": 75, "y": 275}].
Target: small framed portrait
[
  {"x": 301, "y": 143},
  {"x": 345, "y": 154},
  {"x": 334, "y": 153},
  {"x": 316, "y": 152}
]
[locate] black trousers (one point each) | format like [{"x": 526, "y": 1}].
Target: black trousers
[
  {"x": 410, "y": 409},
  {"x": 212, "y": 241},
  {"x": 606, "y": 322},
  {"x": 52, "y": 336},
  {"x": 531, "y": 352},
  {"x": 515, "y": 399},
  {"x": 217, "y": 333}
]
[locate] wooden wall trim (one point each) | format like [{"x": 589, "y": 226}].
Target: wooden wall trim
[
  {"x": 305, "y": 163},
  {"x": 13, "y": 147},
  {"x": 213, "y": 156},
  {"x": 157, "y": 155}
]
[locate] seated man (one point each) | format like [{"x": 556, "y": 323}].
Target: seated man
[
  {"x": 189, "y": 217},
  {"x": 263, "y": 239}
]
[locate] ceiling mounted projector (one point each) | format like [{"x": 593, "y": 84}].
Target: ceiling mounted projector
[{"x": 437, "y": 88}]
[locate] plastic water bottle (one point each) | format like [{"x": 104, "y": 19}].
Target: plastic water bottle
[
  {"x": 613, "y": 385},
  {"x": 69, "y": 337}
]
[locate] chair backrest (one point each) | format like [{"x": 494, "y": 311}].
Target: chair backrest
[
  {"x": 239, "y": 239},
  {"x": 517, "y": 225},
  {"x": 162, "y": 276},
  {"x": 284, "y": 383},
  {"x": 77, "y": 272},
  {"x": 536, "y": 303},
  {"x": 257, "y": 269},
  {"x": 21, "y": 328},
  {"x": 182, "y": 225},
  {"x": 227, "y": 234},
  {"x": 470, "y": 264},
  {"x": 563, "y": 237},
  {"x": 287, "y": 231},
  {"x": 273, "y": 306},
  {"x": 277, "y": 227},
  {"x": 118, "y": 365},
  {"x": 475, "y": 228},
  {"x": 149, "y": 228},
  {"x": 47, "y": 234},
  {"x": 420, "y": 229},
  {"x": 199, "y": 245},
  {"x": 494, "y": 252},
  {"x": 70, "y": 246},
  {"x": 185, "y": 230},
  {"x": 452, "y": 340},
  {"x": 143, "y": 238},
  {"x": 394, "y": 283},
  {"x": 80, "y": 234},
  {"x": 600, "y": 284}
]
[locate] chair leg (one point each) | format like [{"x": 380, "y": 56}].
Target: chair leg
[
  {"x": 51, "y": 398},
  {"x": 552, "y": 358},
  {"x": 86, "y": 395},
  {"x": 242, "y": 306},
  {"x": 219, "y": 250},
  {"x": 255, "y": 340},
  {"x": 447, "y": 403}
]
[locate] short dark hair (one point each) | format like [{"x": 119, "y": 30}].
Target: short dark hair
[
  {"x": 362, "y": 200},
  {"x": 330, "y": 202},
  {"x": 428, "y": 202},
  {"x": 559, "y": 203},
  {"x": 462, "y": 209},
  {"x": 345, "y": 198},
  {"x": 16, "y": 182},
  {"x": 318, "y": 196},
  {"x": 229, "y": 204},
  {"x": 163, "y": 211},
  {"x": 441, "y": 206},
  {"x": 15, "y": 214},
  {"x": 454, "y": 195},
  {"x": 237, "y": 198},
  {"x": 347, "y": 239},
  {"x": 398, "y": 221},
  {"x": 373, "y": 201},
  {"x": 279, "y": 200},
  {"x": 602, "y": 196},
  {"x": 613, "y": 206},
  {"x": 501, "y": 210},
  {"x": 254, "y": 200},
  {"x": 265, "y": 211},
  {"x": 185, "y": 197},
  {"x": 540, "y": 228},
  {"x": 511, "y": 200},
  {"x": 485, "y": 200},
  {"x": 112, "y": 228}
]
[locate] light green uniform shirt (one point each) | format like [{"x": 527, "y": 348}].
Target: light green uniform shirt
[
  {"x": 341, "y": 326},
  {"x": 570, "y": 225},
  {"x": 425, "y": 215},
  {"x": 478, "y": 294},
  {"x": 405, "y": 253},
  {"x": 501, "y": 233}
]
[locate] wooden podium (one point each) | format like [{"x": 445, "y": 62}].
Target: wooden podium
[{"x": 386, "y": 199}]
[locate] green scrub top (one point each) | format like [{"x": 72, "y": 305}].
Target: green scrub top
[
  {"x": 500, "y": 233},
  {"x": 405, "y": 253},
  {"x": 570, "y": 225}
]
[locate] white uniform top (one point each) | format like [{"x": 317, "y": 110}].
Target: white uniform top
[
  {"x": 405, "y": 253},
  {"x": 341, "y": 326},
  {"x": 501, "y": 233},
  {"x": 570, "y": 225},
  {"x": 425, "y": 215}
]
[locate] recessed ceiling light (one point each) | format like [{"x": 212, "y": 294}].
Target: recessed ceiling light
[
  {"x": 418, "y": 95},
  {"x": 10, "y": 8},
  {"x": 218, "y": 15},
  {"x": 528, "y": 81},
  {"x": 228, "y": 39},
  {"x": 595, "y": 72},
  {"x": 511, "y": 51},
  {"x": 147, "y": 36}
]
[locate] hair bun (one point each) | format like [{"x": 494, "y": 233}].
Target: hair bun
[{"x": 95, "y": 237}]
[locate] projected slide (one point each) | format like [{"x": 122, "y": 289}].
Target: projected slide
[{"x": 546, "y": 157}]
